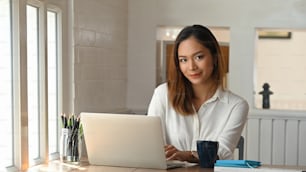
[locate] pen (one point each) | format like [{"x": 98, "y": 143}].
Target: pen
[
  {"x": 63, "y": 124},
  {"x": 65, "y": 121}
]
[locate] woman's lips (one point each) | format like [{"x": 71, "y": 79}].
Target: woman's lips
[{"x": 195, "y": 75}]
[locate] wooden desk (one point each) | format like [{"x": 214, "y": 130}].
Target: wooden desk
[{"x": 57, "y": 166}]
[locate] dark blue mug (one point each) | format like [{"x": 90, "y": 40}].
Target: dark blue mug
[{"x": 208, "y": 153}]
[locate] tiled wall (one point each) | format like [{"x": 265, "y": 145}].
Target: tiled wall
[{"x": 100, "y": 53}]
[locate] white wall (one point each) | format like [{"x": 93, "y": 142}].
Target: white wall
[
  {"x": 141, "y": 53},
  {"x": 241, "y": 16},
  {"x": 99, "y": 51},
  {"x": 286, "y": 78}
]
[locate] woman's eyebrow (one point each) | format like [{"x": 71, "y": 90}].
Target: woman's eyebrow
[
  {"x": 193, "y": 54},
  {"x": 198, "y": 52}
]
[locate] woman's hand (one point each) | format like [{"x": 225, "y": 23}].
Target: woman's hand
[{"x": 172, "y": 153}]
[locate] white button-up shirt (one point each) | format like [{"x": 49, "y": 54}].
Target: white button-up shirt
[{"x": 221, "y": 118}]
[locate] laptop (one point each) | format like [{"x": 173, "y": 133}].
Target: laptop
[{"x": 125, "y": 140}]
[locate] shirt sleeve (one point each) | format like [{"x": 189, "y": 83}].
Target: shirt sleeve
[
  {"x": 231, "y": 133},
  {"x": 157, "y": 106}
]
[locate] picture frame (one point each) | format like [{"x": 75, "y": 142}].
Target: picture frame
[{"x": 274, "y": 35}]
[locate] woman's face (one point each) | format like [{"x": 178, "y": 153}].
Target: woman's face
[{"x": 195, "y": 61}]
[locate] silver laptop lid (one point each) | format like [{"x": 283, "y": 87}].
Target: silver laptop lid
[{"x": 124, "y": 140}]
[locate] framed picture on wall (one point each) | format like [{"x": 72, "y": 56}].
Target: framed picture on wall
[{"x": 274, "y": 35}]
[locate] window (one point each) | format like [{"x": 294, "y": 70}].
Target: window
[
  {"x": 281, "y": 62},
  {"x": 33, "y": 81},
  {"x": 6, "y": 82},
  {"x": 53, "y": 110},
  {"x": 30, "y": 83}
]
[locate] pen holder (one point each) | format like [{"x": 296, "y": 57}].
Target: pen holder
[
  {"x": 74, "y": 147},
  {"x": 71, "y": 139},
  {"x": 70, "y": 146}
]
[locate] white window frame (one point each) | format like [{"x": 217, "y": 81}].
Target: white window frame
[
  {"x": 58, "y": 11},
  {"x": 20, "y": 85},
  {"x": 19, "y": 53},
  {"x": 43, "y": 124},
  {"x": 12, "y": 91}
]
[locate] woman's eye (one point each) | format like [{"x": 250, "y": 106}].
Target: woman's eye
[
  {"x": 199, "y": 57},
  {"x": 182, "y": 60}
]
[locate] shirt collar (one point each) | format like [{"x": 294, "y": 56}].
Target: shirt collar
[{"x": 219, "y": 94}]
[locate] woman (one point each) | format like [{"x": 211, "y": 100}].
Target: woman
[{"x": 193, "y": 104}]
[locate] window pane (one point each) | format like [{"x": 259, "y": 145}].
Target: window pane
[
  {"x": 281, "y": 62},
  {"x": 52, "y": 82},
  {"x": 6, "y": 82},
  {"x": 33, "y": 81}
]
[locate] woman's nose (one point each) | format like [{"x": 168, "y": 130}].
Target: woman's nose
[{"x": 192, "y": 65}]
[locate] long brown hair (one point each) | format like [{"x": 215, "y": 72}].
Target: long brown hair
[{"x": 179, "y": 87}]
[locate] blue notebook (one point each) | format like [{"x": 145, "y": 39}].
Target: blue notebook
[{"x": 238, "y": 163}]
